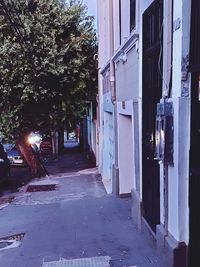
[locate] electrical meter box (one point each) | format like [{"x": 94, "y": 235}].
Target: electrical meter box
[{"x": 164, "y": 132}]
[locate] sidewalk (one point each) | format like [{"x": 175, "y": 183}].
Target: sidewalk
[
  {"x": 75, "y": 224},
  {"x": 72, "y": 160}
]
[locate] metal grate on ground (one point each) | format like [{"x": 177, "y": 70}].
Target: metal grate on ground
[
  {"x": 39, "y": 188},
  {"x": 100, "y": 261},
  {"x": 11, "y": 241}
]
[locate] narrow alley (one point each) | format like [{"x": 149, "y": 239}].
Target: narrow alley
[{"x": 68, "y": 219}]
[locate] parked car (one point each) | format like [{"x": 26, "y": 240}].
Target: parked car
[
  {"x": 14, "y": 156},
  {"x": 4, "y": 165}
]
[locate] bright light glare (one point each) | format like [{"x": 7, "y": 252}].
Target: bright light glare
[{"x": 34, "y": 139}]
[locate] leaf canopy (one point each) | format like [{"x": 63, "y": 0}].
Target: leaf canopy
[{"x": 47, "y": 65}]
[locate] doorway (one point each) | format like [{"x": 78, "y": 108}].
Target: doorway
[
  {"x": 126, "y": 157},
  {"x": 152, "y": 92}
]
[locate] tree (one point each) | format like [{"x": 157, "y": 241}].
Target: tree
[{"x": 47, "y": 68}]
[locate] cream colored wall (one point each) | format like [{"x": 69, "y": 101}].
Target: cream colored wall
[
  {"x": 127, "y": 77},
  {"x": 126, "y": 160}
]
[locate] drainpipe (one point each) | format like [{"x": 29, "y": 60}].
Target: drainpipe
[
  {"x": 115, "y": 174},
  {"x": 166, "y": 175},
  {"x": 112, "y": 67}
]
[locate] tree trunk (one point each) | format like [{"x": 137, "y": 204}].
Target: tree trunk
[
  {"x": 61, "y": 140},
  {"x": 67, "y": 129},
  {"x": 54, "y": 136},
  {"x": 37, "y": 169}
]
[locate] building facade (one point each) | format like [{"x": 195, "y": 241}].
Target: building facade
[{"x": 148, "y": 117}]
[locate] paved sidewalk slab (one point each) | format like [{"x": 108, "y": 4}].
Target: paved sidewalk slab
[
  {"x": 84, "y": 262},
  {"x": 76, "y": 221}
]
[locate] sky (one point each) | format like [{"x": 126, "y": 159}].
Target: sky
[{"x": 92, "y": 8}]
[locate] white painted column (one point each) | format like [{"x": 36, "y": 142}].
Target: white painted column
[{"x": 178, "y": 210}]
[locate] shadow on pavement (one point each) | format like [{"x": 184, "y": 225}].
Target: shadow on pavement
[{"x": 72, "y": 159}]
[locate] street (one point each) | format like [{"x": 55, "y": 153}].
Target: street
[{"x": 67, "y": 219}]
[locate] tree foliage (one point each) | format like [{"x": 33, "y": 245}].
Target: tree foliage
[{"x": 47, "y": 66}]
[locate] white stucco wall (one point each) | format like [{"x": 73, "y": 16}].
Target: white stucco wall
[
  {"x": 125, "y": 20},
  {"x": 103, "y": 32},
  {"x": 173, "y": 181},
  {"x": 183, "y": 169},
  {"x": 177, "y": 51},
  {"x": 178, "y": 225},
  {"x": 99, "y": 155},
  {"x": 178, "y": 180},
  {"x": 108, "y": 150},
  {"x": 127, "y": 77},
  {"x": 125, "y": 156},
  {"x": 103, "y": 59},
  {"x": 116, "y": 25}
]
